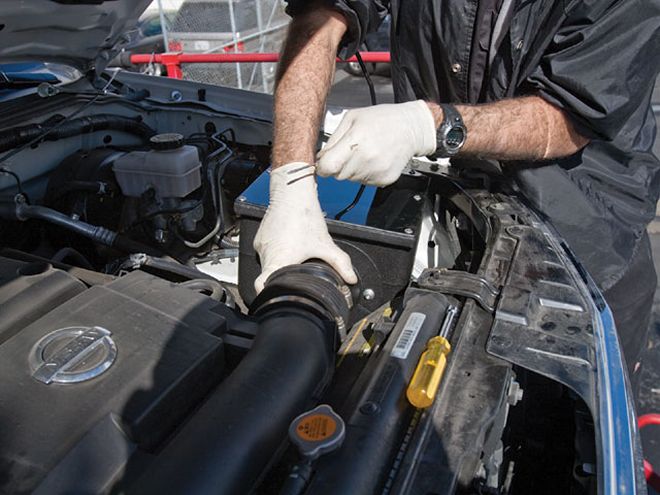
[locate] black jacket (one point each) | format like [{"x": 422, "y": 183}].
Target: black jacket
[{"x": 596, "y": 59}]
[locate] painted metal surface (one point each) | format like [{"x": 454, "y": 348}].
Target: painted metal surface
[
  {"x": 617, "y": 419},
  {"x": 334, "y": 195}
]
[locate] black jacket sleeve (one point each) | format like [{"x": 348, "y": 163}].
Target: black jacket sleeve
[
  {"x": 363, "y": 16},
  {"x": 601, "y": 65}
]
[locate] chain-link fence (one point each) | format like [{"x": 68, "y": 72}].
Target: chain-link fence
[{"x": 225, "y": 26}]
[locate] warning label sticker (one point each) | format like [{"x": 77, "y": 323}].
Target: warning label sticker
[
  {"x": 316, "y": 427},
  {"x": 408, "y": 336}
]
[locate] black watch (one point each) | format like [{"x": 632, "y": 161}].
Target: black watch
[{"x": 451, "y": 134}]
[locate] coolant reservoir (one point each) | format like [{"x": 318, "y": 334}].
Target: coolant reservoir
[{"x": 170, "y": 168}]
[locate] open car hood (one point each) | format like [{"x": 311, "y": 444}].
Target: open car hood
[{"x": 80, "y": 33}]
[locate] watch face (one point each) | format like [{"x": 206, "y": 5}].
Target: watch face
[{"x": 455, "y": 137}]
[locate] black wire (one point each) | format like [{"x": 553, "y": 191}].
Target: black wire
[
  {"x": 367, "y": 77},
  {"x": 355, "y": 201},
  {"x": 372, "y": 94},
  {"x": 19, "y": 184},
  {"x": 82, "y": 108}
]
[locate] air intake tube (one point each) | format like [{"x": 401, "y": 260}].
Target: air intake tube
[{"x": 238, "y": 432}]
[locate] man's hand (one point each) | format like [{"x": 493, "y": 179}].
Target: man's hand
[
  {"x": 293, "y": 229},
  {"x": 372, "y": 145}
]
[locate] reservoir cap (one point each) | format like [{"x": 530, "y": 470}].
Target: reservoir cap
[
  {"x": 317, "y": 432},
  {"x": 167, "y": 141}
]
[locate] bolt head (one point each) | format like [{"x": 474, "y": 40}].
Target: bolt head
[
  {"x": 242, "y": 199},
  {"x": 417, "y": 197},
  {"x": 368, "y": 294},
  {"x": 409, "y": 231},
  {"x": 160, "y": 236},
  {"x": 369, "y": 408}
]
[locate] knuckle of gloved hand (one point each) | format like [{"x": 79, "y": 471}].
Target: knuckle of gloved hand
[
  {"x": 388, "y": 178},
  {"x": 372, "y": 156},
  {"x": 342, "y": 257},
  {"x": 371, "y": 179},
  {"x": 344, "y": 174},
  {"x": 326, "y": 166}
]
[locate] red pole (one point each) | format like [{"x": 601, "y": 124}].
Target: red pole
[{"x": 172, "y": 61}]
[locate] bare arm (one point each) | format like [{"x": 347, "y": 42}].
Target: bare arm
[
  {"x": 304, "y": 76},
  {"x": 524, "y": 128}
]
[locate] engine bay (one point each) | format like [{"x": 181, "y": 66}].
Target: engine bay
[{"x": 138, "y": 359}]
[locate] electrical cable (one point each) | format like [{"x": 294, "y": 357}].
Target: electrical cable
[
  {"x": 372, "y": 94},
  {"x": 38, "y": 138},
  {"x": 19, "y": 184},
  {"x": 355, "y": 201},
  {"x": 367, "y": 77}
]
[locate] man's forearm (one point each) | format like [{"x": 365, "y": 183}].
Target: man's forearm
[
  {"x": 525, "y": 128},
  {"x": 305, "y": 74}
]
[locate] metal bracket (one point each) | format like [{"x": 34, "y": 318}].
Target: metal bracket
[{"x": 462, "y": 284}]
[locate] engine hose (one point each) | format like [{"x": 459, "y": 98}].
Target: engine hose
[
  {"x": 172, "y": 267},
  {"x": 18, "y": 209},
  {"x": 206, "y": 238},
  {"x": 18, "y": 136},
  {"x": 194, "y": 278},
  {"x": 217, "y": 291},
  {"x": 70, "y": 253},
  {"x": 96, "y": 233}
]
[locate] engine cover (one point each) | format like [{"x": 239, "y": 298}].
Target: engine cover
[{"x": 107, "y": 374}]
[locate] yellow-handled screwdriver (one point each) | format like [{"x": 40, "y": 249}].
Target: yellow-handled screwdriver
[{"x": 424, "y": 384}]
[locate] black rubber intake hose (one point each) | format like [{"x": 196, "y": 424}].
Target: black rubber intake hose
[
  {"x": 18, "y": 136},
  {"x": 238, "y": 432}
]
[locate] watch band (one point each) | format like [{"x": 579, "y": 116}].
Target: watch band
[{"x": 451, "y": 134}]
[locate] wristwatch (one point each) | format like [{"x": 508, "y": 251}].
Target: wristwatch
[{"x": 451, "y": 134}]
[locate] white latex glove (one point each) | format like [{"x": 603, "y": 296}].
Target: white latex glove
[
  {"x": 293, "y": 229},
  {"x": 372, "y": 145}
]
